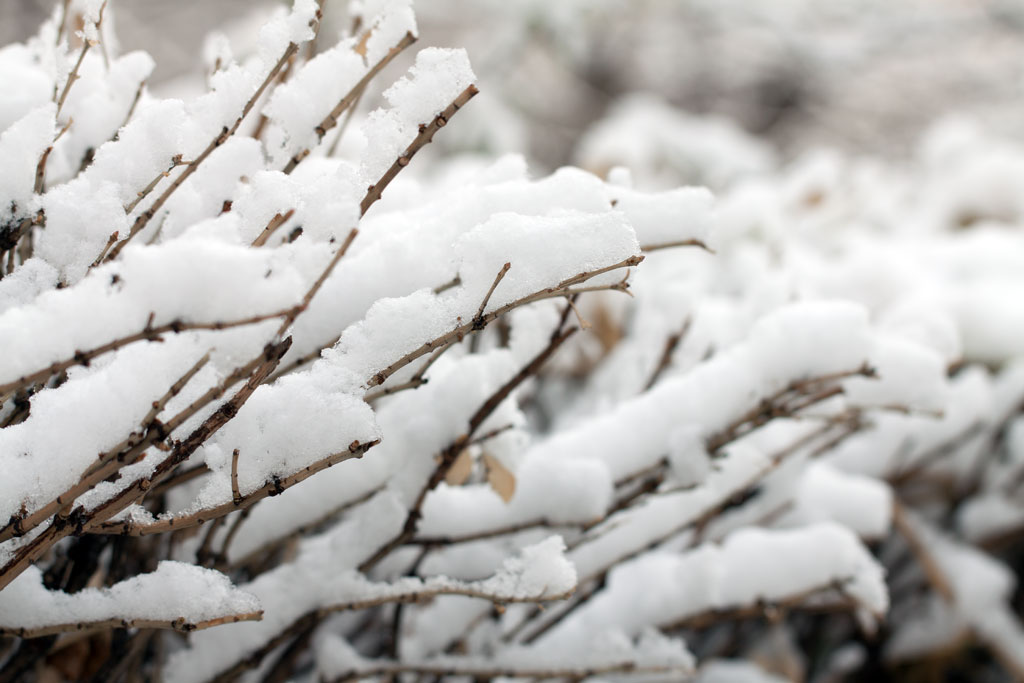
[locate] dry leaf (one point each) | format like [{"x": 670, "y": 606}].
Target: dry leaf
[
  {"x": 460, "y": 470},
  {"x": 605, "y": 327},
  {"x": 360, "y": 48},
  {"x": 501, "y": 480}
]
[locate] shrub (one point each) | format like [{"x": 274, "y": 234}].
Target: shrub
[{"x": 552, "y": 436}]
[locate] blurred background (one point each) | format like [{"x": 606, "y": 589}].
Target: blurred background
[{"x": 769, "y": 80}]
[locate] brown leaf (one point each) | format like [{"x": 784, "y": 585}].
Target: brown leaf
[
  {"x": 460, "y": 470},
  {"x": 501, "y": 480},
  {"x": 360, "y": 48}
]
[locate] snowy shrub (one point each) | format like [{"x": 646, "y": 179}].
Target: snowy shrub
[{"x": 275, "y": 407}]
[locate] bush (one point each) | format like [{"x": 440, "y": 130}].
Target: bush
[{"x": 553, "y": 434}]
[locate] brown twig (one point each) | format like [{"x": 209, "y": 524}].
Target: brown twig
[
  {"x": 144, "y": 192},
  {"x": 447, "y": 541},
  {"x": 76, "y": 521},
  {"x": 424, "y": 137},
  {"x": 204, "y": 557},
  {"x": 558, "y": 291},
  {"x": 180, "y": 624},
  {"x": 677, "y": 243},
  {"x": 72, "y": 77},
  {"x": 331, "y": 120},
  {"x": 143, "y": 218},
  {"x": 110, "y": 242},
  {"x": 775, "y": 406},
  {"x": 275, "y": 486},
  {"x": 487, "y": 297},
  {"x": 148, "y": 333},
  {"x": 345, "y": 123},
  {"x": 236, "y": 495},
  {"x": 40, "y": 181},
  {"x": 848, "y": 424},
  {"x": 919, "y": 548},
  {"x": 276, "y": 222},
  {"x": 666, "y": 354},
  {"x": 106, "y": 463},
  {"x": 903, "y": 475},
  {"x": 294, "y": 313},
  {"x": 449, "y": 454},
  {"x": 772, "y": 609},
  {"x": 484, "y": 673},
  {"x": 271, "y": 546}
]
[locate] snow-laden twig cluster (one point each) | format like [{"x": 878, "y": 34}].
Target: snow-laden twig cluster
[{"x": 263, "y": 387}]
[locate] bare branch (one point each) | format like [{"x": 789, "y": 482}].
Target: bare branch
[
  {"x": 236, "y": 495},
  {"x": 72, "y": 77},
  {"x": 275, "y": 486},
  {"x": 426, "y": 134},
  {"x": 560, "y": 290},
  {"x": 40, "y": 182},
  {"x": 110, "y": 242},
  {"x": 479, "y": 317},
  {"x": 331, "y": 120},
  {"x": 151, "y": 185},
  {"x": 148, "y": 333},
  {"x": 484, "y": 673},
  {"x": 256, "y": 370},
  {"x": 666, "y": 355},
  {"x": 143, "y": 219},
  {"x": 678, "y": 243},
  {"x": 449, "y": 454},
  {"x": 180, "y": 624},
  {"x": 276, "y": 222},
  {"x": 107, "y": 463}
]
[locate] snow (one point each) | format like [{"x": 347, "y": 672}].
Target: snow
[
  {"x": 438, "y": 77},
  {"x": 23, "y": 143},
  {"x": 388, "y": 22},
  {"x": 116, "y": 300},
  {"x": 861, "y": 504},
  {"x": 299, "y": 105},
  {"x": 750, "y": 568},
  {"x": 97, "y": 408},
  {"x": 319, "y": 578},
  {"x": 884, "y": 293},
  {"x": 174, "y": 591}
]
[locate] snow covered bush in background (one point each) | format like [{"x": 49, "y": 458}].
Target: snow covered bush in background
[{"x": 282, "y": 402}]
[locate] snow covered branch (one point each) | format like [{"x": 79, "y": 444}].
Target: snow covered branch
[{"x": 328, "y": 413}]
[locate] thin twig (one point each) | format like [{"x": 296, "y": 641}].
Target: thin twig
[
  {"x": 72, "y": 77},
  {"x": 449, "y": 454},
  {"x": 256, "y": 370},
  {"x": 180, "y": 624},
  {"x": 331, "y": 120},
  {"x": 236, "y": 495},
  {"x": 424, "y": 137},
  {"x": 40, "y": 182},
  {"x": 144, "y": 192},
  {"x": 106, "y": 463},
  {"x": 148, "y": 333},
  {"x": 345, "y": 123},
  {"x": 677, "y": 243},
  {"x": 276, "y": 222},
  {"x": 666, "y": 354},
  {"x": 477, "y": 672},
  {"x": 560, "y": 290},
  {"x": 110, "y": 242},
  {"x": 294, "y": 313},
  {"x": 478, "y": 319},
  {"x": 143, "y": 218},
  {"x": 275, "y": 486}
]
